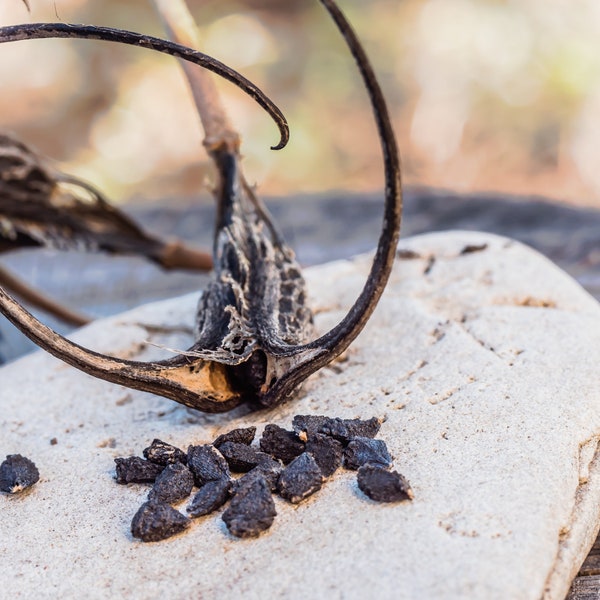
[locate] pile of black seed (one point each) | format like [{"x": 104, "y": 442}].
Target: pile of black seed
[{"x": 294, "y": 464}]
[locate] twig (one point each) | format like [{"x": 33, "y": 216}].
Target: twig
[{"x": 34, "y": 297}]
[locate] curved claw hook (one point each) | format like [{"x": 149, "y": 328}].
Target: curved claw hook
[{"x": 32, "y": 31}]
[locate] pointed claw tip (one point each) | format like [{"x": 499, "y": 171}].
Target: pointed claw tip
[{"x": 285, "y": 138}]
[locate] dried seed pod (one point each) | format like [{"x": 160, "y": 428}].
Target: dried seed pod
[
  {"x": 242, "y": 458},
  {"x": 134, "y": 469},
  {"x": 252, "y": 509},
  {"x": 161, "y": 453},
  {"x": 175, "y": 483},
  {"x": 156, "y": 521},
  {"x": 207, "y": 464},
  {"x": 280, "y": 443},
  {"x": 382, "y": 485},
  {"x": 17, "y": 473},
  {"x": 239, "y": 436},
  {"x": 326, "y": 451},
  {"x": 361, "y": 451},
  {"x": 301, "y": 478},
  {"x": 210, "y": 497}
]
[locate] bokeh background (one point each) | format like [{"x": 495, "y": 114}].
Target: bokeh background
[{"x": 485, "y": 95}]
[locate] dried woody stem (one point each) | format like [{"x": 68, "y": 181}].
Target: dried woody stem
[
  {"x": 253, "y": 330},
  {"x": 40, "y": 206}
]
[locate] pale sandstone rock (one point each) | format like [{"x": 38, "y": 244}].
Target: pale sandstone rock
[{"x": 486, "y": 368}]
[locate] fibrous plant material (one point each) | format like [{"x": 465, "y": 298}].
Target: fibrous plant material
[
  {"x": 254, "y": 333},
  {"x": 362, "y": 451},
  {"x": 251, "y": 510},
  {"x": 300, "y": 479},
  {"x": 161, "y": 453},
  {"x": 174, "y": 483},
  {"x": 210, "y": 497},
  {"x": 134, "y": 469},
  {"x": 382, "y": 485},
  {"x": 17, "y": 473},
  {"x": 156, "y": 521},
  {"x": 42, "y": 207}
]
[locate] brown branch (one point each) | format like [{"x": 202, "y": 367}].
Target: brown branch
[
  {"x": 181, "y": 28},
  {"x": 34, "y": 297}
]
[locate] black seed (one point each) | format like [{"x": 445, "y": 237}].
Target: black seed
[
  {"x": 17, "y": 473},
  {"x": 269, "y": 469},
  {"x": 242, "y": 458},
  {"x": 239, "y": 436},
  {"x": 345, "y": 429},
  {"x": 156, "y": 521},
  {"x": 161, "y": 453},
  {"x": 210, "y": 497},
  {"x": 309, "y": 424},
  {"x": 361, "y": 451},
  {"x": 174, "y": 484},
  {"x": 136, "y": 470},
  {"x": 382, "y": 485},
  {"x": 301, "y": 478},
  {"x": 251, "y": 509},
  {"x": 281, "y": 444},
  {"x": 326, "y": 451},
  {"x": 207, "y": 464}
]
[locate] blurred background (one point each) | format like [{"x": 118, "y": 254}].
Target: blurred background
[{"x": 485, "y": 95}]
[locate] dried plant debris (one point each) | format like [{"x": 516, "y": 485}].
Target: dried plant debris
[
  {"x": 156, "y": 521},
  {"x": 175, "y": 483},
  {"x": 363, "y": 451},
  {"x": 255, "y": 339},
  {"x": 252, "y": 508},
  {"x": 238, "y": 436},
  {"x": 382, "y": 485},
  {"x": 17, "y": 473},
  {"x": 161, "y": 453},
  {"x": 300, "y": 479},
  {"x": 210, "y": 497},
  {"x": 134, "y": 469}
]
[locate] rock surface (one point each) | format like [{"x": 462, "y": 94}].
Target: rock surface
[{"x": 482, "y": 355}]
